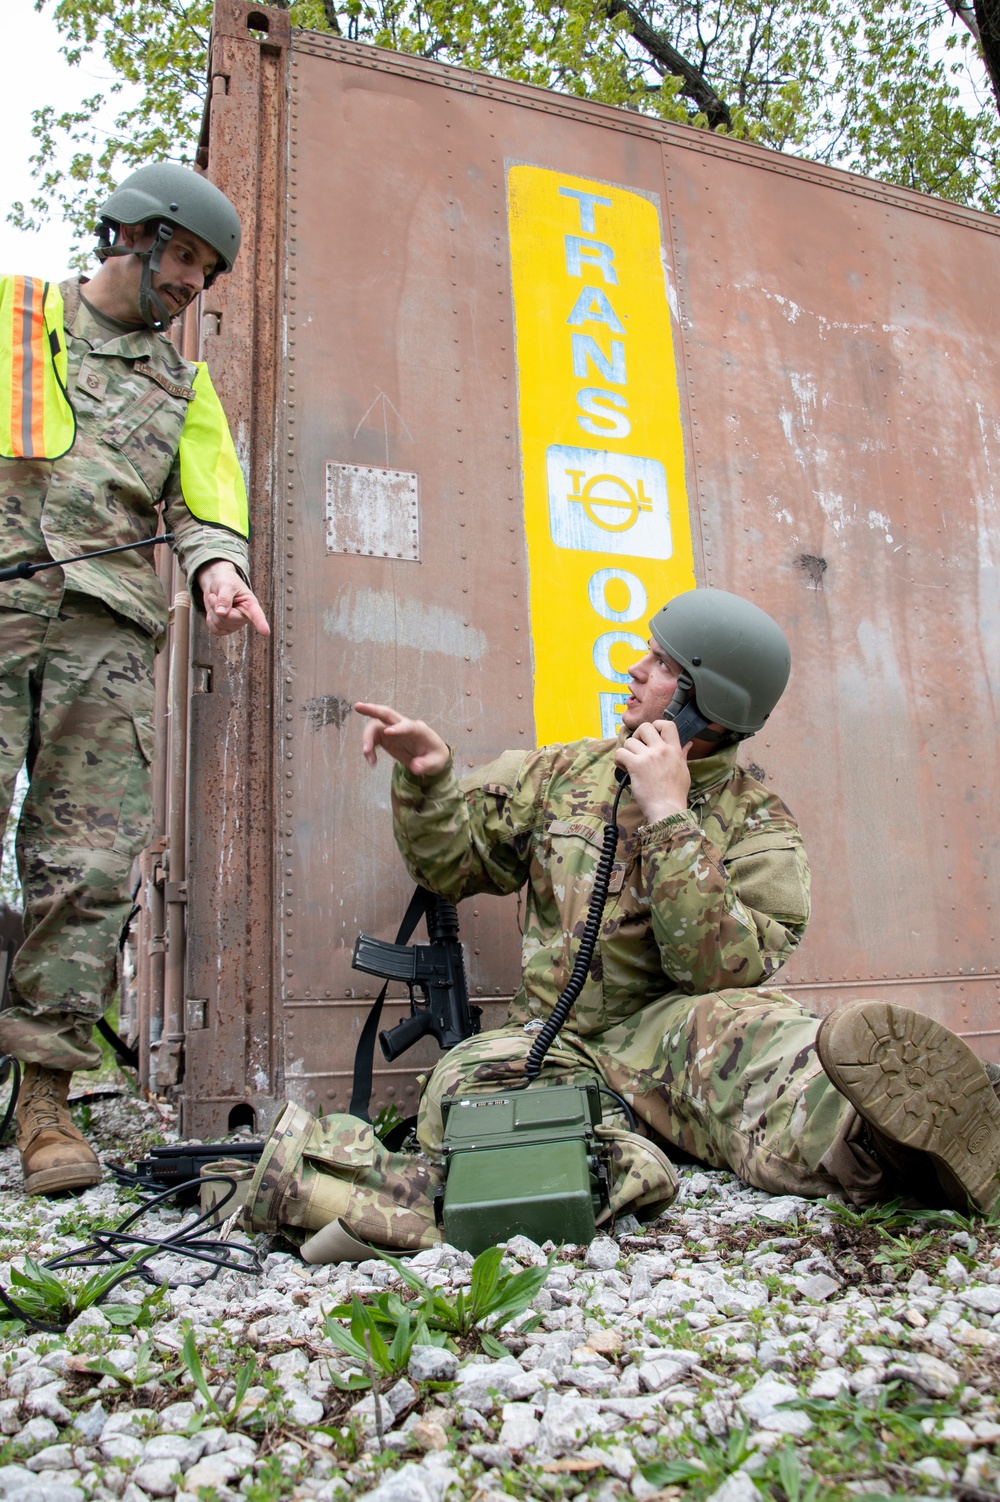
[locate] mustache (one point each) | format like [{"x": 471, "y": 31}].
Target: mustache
[{"x": 182, "y": 294}]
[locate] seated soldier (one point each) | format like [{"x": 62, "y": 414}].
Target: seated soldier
[{"x": 708, "y": 898}]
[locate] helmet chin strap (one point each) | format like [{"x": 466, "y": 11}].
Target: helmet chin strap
[{"x": 152, "y": 309}]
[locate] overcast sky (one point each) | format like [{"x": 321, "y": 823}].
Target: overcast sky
[{"x": 40, "y": 76}]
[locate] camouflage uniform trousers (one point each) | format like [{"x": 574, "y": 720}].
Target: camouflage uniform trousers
[
  {"x": 731, "y": 1078},
  {"x": 312, "y": 1172},
  {"x": 76, "y": 702}
]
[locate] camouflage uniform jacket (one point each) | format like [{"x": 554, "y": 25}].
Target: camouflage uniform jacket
[
  {"x": 130, "y": 395},
  {"x": 708, "y": 900}
]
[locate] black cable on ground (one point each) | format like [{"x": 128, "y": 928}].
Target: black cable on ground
[
  {"x": 29, "y": 1319},
  {"x": 133, "y": 1251},
  {"x": 95, "y": 1097},
  {"x": 183, "y": 1243}
]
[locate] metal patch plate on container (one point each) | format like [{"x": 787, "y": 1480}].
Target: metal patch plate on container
[{"x": 372, "y": 512}]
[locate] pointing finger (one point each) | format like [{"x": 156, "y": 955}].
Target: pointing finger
[{"x": 383, "y": 712}]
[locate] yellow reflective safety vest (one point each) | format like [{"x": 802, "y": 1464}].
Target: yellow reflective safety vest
[
  {"x": 211, "y": 478},
  {"x": 37, "y": 420}
]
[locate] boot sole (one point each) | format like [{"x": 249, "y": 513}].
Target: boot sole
[
  {"x": 916, "y": 1082},
  {"x": 59, "y": 1180}
]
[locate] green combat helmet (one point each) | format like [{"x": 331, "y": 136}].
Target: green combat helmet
[
  {"x": 736, "y": 656},
  {"x": 174, "y": 197}
]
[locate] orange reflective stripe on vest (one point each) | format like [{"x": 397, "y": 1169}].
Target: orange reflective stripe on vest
[{"x": 37, "y": 420}]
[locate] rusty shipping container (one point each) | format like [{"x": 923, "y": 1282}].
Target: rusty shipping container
[{"x": 507, "y": 369}]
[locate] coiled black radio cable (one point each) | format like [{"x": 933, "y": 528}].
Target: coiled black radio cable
[{"x": 588, "y": 943}]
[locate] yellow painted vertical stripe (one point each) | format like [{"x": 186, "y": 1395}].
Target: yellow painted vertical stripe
[{"x": 606, "y": 510}]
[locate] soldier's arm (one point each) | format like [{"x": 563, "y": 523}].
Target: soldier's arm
[
  {"x": 470, "y": 836},
  {"x": 725, "y": 923},
  {"x": 198, "y": 543}
]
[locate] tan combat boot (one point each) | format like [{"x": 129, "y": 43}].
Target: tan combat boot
[
  {"x": 921, "y": 1090},
  {"x": 54, "y": 1156}
]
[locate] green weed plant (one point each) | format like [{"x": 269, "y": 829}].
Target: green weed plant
[
  {"x": 44, "y": 1297},
  {"x": 145, "y": 1369},
  {"x": 386, "y": 1121},
  {"x": 391, "y": 1333},
  {"x": 394, "y": 1327},
  {"x": 244, "y": 1381}
]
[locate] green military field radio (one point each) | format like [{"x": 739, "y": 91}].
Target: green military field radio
[{"x": 525, "y": 1163}]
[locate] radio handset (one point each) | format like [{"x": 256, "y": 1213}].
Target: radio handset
[{"x": 684, "y": 712}]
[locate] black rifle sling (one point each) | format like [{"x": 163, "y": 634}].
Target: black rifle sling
[
  {"x": 364, "y": 1057},
  {"x": 123, "y": 1052}
]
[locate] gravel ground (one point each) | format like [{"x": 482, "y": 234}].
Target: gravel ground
[{"x": 742, "y": 1347}]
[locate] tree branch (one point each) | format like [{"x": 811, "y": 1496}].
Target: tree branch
[
  {"x": 694, "y": 85},
  {"x": 965, "y": 13},
  {"x": 988, "y": 17}
]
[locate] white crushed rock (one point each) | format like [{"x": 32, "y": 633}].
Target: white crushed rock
[{"x": 653, "y": 1345}]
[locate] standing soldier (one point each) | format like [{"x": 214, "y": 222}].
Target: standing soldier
[{"x": 104, "y": 427}]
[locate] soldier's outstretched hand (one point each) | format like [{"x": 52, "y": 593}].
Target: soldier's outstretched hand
[{"x": 411, "y": 742}]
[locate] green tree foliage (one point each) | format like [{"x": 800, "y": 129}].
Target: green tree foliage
[
  {"x": 896, "y": 89},
  {"x": 155, "y": 51}
]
